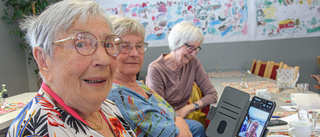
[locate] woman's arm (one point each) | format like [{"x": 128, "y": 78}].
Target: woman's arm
[
  {"x": 142, "y": 116},
  {"x": 209, "y": 93},
  {"x": 183, "y": 126},
  {"x": 184, "y": 111}
]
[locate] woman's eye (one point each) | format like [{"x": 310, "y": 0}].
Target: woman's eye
[
  {"x": 125, "y": 46},
  {"x": 108, "y": 45},
  {"x": 81, "y": 45}
]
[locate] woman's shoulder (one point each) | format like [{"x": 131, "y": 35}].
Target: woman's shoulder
[
  {"x": 118, "y": 87},
  {"x": 158, "y": 62}
]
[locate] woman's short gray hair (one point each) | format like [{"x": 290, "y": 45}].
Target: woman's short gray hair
[
  {"x": 182, "y": 33},
  {"x": 42, "y": 30},
  {"x": 125, "y": 25}
]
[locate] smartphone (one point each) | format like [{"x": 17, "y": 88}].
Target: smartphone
[
  {"x": 257, "y": 118},
  {"x": 277, "y": 122}
]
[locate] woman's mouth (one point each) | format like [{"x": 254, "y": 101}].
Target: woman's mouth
[{"x": 94, "y": 81}]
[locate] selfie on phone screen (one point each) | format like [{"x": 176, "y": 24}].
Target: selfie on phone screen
[{"x": 256, "y": 120}]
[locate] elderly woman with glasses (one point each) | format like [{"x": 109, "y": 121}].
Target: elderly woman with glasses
[
  {"x": 73, "y": 43},
  {"x": 172, "y": 75},
  {"x": 147, "y": 113},
  {"x": 252, "y": 130}
]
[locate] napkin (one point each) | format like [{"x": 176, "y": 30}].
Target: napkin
[{"x": 305, "y": 101}]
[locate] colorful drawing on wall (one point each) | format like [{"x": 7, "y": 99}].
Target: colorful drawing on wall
[
  {"x": 220, "y": 20},
  {"x": 277, "y": 19}
]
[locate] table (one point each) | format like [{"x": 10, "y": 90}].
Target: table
[
  {"x": 7, "y": 119},
  {"x": 219, "y": 81},
  {"x": 218, "y": 85}
]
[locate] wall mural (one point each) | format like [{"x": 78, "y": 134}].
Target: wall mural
[
  {"x": 222, "y": 20},
  {"x": 275, "y": 19}
]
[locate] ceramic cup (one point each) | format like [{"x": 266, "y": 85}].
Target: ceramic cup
[{"x": 300, "y": 129}]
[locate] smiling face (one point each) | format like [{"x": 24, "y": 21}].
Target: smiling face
[
  {"x": 130, "y": 64},
  {"x": 83, "y": 82},
  {"x": 254, "y": 128},
  {"x": 182, "y": 56}
]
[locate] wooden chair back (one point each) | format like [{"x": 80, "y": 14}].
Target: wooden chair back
[
  {"x": 262, "y": 68},
  {"x": 286, "y": 66},
  {"x": 272, "y": 73},
  {"x": 253, "y": 66}
]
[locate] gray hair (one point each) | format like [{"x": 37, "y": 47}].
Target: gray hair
[
  {"x": 125, "y": 25},
  {"x": 58, "y": 18},
  {"x": 182, "y": 33}
]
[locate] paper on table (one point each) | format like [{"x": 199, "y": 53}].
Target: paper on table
[
  {"x": 289, "y": 108},
  {"x": 294, "y": 117},
  {"x": 306, "y": 101}
]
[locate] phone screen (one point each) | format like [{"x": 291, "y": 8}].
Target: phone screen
[{"x": 257, "y": 118}]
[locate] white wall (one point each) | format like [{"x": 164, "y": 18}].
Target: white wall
[{"x": 13, "y": 66}]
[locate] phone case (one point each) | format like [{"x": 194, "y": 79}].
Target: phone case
[
  {"x": 227, "y": 117},
  {"x": 229, "y": 111}
]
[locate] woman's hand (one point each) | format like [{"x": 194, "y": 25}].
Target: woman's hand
[
  {"x": 183, "y": 127},
  {"x": 183, "y": 112}
]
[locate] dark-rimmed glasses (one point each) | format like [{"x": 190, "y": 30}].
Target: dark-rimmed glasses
[
  {"x": 141, "y": 47},
  {"x": 190, "y": 48},
  {"x": 86, "y": 44}
]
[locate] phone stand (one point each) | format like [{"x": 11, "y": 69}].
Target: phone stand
[{"x": 227, "y": 117}]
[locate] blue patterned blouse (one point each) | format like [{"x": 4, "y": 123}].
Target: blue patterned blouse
[{"x": 147, "y": 117}]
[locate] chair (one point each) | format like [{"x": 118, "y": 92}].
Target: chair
[
  {"x": 201, "y": 114},
  {"x": 286, "y": 66},
  {"x": 318, "y": 57},
  {"x": 262, "y": 68},
  {"x": 253, "y": 66},
  {"x": 272, "y": 73}
]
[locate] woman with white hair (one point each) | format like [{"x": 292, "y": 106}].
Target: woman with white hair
[
  {"x": 147, "y": 113},
  {"x": 73, "y": 44},
  {"x": 172, "y": 75},
  {"x": 252, "y": 129}
]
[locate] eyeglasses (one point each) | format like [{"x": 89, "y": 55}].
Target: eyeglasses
[
  {"x": 86, "y": 44},
  {"x": 190, "y": 48},
  {"x": 141, "y": 47}
]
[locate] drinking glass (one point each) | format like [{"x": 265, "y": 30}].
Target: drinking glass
[
  {"x": 309, "y": 116},
  {"x": 287, "y": 79},
  {"x": 303, "y": 87},
  {"x": 2, "y": 103},
  {"x": 263, "y": 93},
  {"x": 312, "y": 116}
]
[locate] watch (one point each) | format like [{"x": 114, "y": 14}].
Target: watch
[{"x": 196, "y": 106}]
